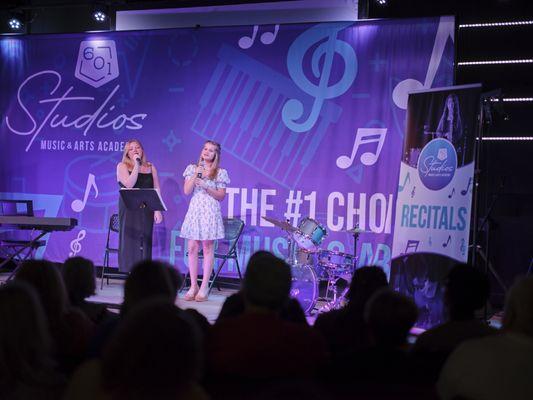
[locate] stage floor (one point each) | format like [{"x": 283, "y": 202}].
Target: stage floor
[{"x": 112, "y": 294}]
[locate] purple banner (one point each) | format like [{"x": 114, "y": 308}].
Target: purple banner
[{"x": 310, "y": 118}]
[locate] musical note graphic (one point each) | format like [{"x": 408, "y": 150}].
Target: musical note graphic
[
  {"x": 465, "y": 191},
  {"x": 413, "y": 192},
  {"x": 266, "y": 38},
  {"x": 321, "y": 67},
  {"x": 78, "y": 205},
  {"x": 242, "y": 119},
  {"x": 400, "y": 93},
  {"x": 412, "y": 245},
  {"x": 445, "y": 244},
  {"x": 75, "y": 244},
  {"x": 365, "y": 136},
  {"x": 405, "y": 182},
  {"x": 246, "y": 42},
  {"x": 451, "y": 194},
  {"x": 463, "y": 247},
  {"x": 269, "y": 37}
]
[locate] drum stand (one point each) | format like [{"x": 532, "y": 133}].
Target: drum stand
[
  {"x": 291, "y": 259},
  {"x": 337, "y": 301}
]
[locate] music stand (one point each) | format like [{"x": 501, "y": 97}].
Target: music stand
[{"x": 140, "y": 198}]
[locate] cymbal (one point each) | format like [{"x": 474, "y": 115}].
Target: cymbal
[
  {"x": 281, "y": 224},
  {"x": 356, "y": 230}
]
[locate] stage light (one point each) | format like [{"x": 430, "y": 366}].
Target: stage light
[
  {"x": 15, "y": 21},
  {"x": 514, "y": 100},
  {"x": 99, "y": 16},
  {"x": 381, "y": 2},
  {"x": 495, "y": 24},
  {"x": 14, "y": 24},
  {"x": 507, "y": 138},
  {"x": 100, "y": 12},
  {"x": 489, "y": 62}
]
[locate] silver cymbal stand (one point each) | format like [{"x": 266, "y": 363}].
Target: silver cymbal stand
[{"x": 336, "y": 303}]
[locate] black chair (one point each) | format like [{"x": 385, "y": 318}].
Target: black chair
[
  {"x": 16, "y": 245},
  {"x": 226, "y": 249},
  {"x": 114, "y": 226}
]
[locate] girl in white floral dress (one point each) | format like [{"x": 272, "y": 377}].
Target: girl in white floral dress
[{"x": 203, "y": 221}]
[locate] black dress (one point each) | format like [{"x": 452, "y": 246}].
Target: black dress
[{"x": 131, "y": 229}]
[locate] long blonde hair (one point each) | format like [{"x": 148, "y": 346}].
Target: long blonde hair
[
  {"x": 216, "y": 161},
  {"x": 126, "y": 158}
]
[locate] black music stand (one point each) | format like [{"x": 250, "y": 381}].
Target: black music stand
[{"x": 136, "y": 198}]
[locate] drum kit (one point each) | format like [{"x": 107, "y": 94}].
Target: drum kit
[{"x": 311, "y": 265}]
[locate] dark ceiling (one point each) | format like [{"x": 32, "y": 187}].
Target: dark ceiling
[{"x": 464, "y": 9}]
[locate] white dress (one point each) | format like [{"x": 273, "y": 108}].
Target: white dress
[{"x": 203, "y": 220}]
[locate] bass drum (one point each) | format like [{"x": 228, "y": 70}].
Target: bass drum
[{"x": 304, "y": 287}]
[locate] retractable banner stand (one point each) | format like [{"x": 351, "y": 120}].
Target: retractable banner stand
[
  {"x": 310, "y": 118},
  {"x": 434, "y": 203}
]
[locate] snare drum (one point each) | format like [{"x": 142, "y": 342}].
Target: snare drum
[
  {"x": 304, "y": 286},
  {"x": 309, "y": 234},
  {"x": 337, "y": 262},
  {"x": 304, "y": 257}
]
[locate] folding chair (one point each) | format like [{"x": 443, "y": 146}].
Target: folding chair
[
  {"x": 114, "y": 226},
  {"x": 17, "y": 245},
  {"x": 225, "y": 249}
]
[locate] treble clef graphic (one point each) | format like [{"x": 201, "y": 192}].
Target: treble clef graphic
[
  {"x": 321, "y": 67},
  {"x": 75, "y": 245}
]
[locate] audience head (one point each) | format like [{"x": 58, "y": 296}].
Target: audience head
[
  {"x": 45, "y": 278},
  {"x": 293, "y": 312},
  {"x": 154, "y": 354},
  {"x": 267, "y": 281},
  {"x": 147, "y": 280},
  {"x": 80, "y": 279},
  {"x": 390, "y": 316},
  {"x": 467, "y": 290},
  {"x": 365, "y": 282},
  {"x": 24, "y": 337},
  {"x": 176, "y": 278},
  {"x": 518, "y": 315}
]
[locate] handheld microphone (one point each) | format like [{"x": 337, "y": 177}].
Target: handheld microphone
[
  {"x": 139, "y": 161},
  {"x": 199, "y": 174}
]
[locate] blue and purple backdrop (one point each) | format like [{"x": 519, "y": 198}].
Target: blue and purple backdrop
[{"x": 311, "y": 119}]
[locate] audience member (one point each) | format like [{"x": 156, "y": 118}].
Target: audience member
[
  {"x": 257, "y": 346},
  {"x": 146, "y": 281},
  {"x": 155, "y": 353},
  {"x": 70, "y": 329},
  {"x": 496, "y": 366},
  {"x": 466, "y": 290},
  {"x": 390, "y": 317},
  {"x": 80, "y": 283},
  {"x": 234, "y": 305},
  {"x": 26, "y": 366},
  {"x": 345, "y": 329}
]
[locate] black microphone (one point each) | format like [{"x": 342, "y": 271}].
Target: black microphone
[{"x": 139, "y": 161}]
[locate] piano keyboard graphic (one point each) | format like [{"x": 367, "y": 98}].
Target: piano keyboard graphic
[{"x": 241, "y": 109}]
